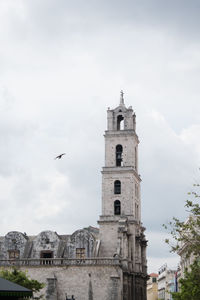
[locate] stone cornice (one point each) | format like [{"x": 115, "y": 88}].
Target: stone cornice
[
  {"x": 125, "y": 132},
  {"x": 115, "y": 219},
  {"x": 115, "y": 170}
]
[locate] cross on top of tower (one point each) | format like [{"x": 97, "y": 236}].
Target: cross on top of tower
[{"x": 121, "y": 98}]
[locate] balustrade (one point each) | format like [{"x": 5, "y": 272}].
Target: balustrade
[{"x": 59, "y": 262}]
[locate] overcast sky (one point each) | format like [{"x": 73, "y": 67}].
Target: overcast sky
[{"x": 62, "y": 63}]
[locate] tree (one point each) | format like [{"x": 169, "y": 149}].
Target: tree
[
  {"x": 186, "y": 234},
  {"x": 186, "y": 242},
  {"x": 190, "y": 284},
  {"x": 19, "y": 277}
]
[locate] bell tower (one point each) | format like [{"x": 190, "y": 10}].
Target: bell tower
[
  {"x": 120, "y": 179},
  {"x": 121, "y": 230}
]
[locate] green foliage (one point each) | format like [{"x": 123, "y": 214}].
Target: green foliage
[
  {"x": 21, "y": 278},
  {"x": 190, "y": 284},
  {"x": 186, "y": 241},
  {"x": 186, "y": 234}
]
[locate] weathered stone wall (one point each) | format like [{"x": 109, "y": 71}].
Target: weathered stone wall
[
  {"x": 84, "y": 282},
  {"x": 127, "y": 196},
  {"x": 81, "y": 239},
  {"x": 13, "y": 241},
  {"x": 47, "y": 241},
  {"x": 109, "y": 237},
  {"x": 129, "y": 142}
]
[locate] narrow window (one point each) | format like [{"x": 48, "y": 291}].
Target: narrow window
[
  {"x": 120, "y": 122},
  {"x": 119, "y": 150},
  {"x": 117, "y": 207},
  {"x": 45, "y": 255},
  {"x": 136, "y": 166},
  {"x": 136, "y": 191},
  {"x": 117, "y": 187},
  {"x": 136, "y": 211},
  {"x": 80, "y": 253}
]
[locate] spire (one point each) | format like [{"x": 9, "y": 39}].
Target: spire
[{"x": 121, "y": 98}]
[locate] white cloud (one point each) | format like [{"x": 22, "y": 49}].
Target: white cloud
[
  {"x": 190, "y": 137},
  {"x": 61, "y": 66}
]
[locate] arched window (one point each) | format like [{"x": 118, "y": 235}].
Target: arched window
[
  {"x": 117, "y": 187},
  {"x": 117, "y": 207},
  {"x": 120, "y": 122},
  {"x": 119, "y": 150}
]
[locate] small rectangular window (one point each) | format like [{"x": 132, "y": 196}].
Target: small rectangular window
[
  {"x": 46, "y": 255},
  {"x": 80, "y": 253},
  {"x": 13, "y": 254}
]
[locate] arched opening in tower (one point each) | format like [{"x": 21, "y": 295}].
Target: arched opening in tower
[
  {"x": 119, "y": 150},
  {"x": 117, "y": 187},
  {"x": 120, "y": 122},
  {"x": 117, "y": 207}
]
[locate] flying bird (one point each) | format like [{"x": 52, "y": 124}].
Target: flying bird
[{"x": 60, "y": 156}]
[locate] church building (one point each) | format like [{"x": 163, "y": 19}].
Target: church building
[{"x": 104, "y": 263}]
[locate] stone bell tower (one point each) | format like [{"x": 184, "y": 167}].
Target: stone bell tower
[{"x": 121, "y": 230}]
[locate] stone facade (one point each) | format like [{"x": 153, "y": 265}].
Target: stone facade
[{"x": 108, "y": 263}]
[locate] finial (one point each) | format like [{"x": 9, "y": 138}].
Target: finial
[{"x": 121, "y": 98}]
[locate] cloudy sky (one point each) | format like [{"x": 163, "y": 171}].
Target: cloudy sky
[{"x": 62, "y": 63}]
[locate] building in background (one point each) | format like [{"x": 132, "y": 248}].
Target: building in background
[
  {"x": 166, "y": 283},
  {"x": 152, "y": 287},
  {"x": 185, "y": 259},
  {"x": 108, "y": 262}
]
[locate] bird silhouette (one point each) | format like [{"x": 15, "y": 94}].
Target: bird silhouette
[{"x": 60, "y": 156}]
